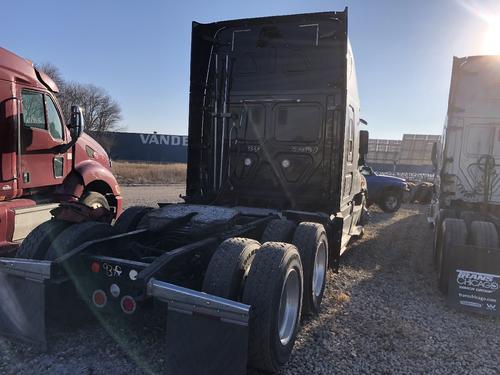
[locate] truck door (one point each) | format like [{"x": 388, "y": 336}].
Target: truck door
[
  {"x": 350, "y": 183},
  {"x": 8, "y": 146},
  {"x": 42, "y": 135}
]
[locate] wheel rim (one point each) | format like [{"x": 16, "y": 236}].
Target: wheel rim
[
  {"x": 289, "y": 306},
  {"x": 391, "y": 202},
  {"x": 96, "y": 205},
  {"x": 319, "y": 271}
]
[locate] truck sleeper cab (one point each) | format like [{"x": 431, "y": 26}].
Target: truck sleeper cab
[
  {"x": 43, "y": 161},
  {"x": 274, "y": 196},
  {"x": 466, "y": 209}
]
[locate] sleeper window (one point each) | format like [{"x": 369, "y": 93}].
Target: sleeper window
[{"x": 297, "y": 123}]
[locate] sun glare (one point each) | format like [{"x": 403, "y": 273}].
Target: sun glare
[
  {"x": 490, "y": 15},
  {"x": 491, "y": 42}
]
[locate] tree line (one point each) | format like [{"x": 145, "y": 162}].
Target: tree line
[{"x": 101, "y": 113}]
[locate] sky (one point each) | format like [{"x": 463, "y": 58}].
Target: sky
[{"x": 139, "y": 51}]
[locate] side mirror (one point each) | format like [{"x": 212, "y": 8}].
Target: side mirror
[
  {"x": 363, "y": 121},
  {"x": 363, "y": 142},
  {"x": 76, "y": 124},
  {"x": 366, "y": 171}
]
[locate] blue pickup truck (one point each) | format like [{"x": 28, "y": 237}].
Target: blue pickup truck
[{"x": 386, "y": 191}]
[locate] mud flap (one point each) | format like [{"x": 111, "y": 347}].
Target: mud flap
[
  {"x": 474, "y": 281},
  {"x": 22, "y": 300},
  {"x": 205, "y": 334},
  {"x": 199, "y": 344}
]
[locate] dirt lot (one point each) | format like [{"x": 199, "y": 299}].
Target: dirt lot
[
  {"x": 381, "y": 314},
  {"x": 151, "y": 195}
]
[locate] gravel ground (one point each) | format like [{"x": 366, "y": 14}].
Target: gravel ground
[
  {"x": 382, "y": 313},
  {"x": 136, "y": 195}
]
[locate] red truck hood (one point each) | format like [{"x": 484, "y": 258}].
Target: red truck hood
[{"x": 100, "y": 155}]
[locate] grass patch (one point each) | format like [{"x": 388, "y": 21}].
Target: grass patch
[{"x": 148, "y": 173}]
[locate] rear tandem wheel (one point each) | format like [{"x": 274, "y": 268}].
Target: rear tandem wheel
[
  {"x": 312, "y": 243},
  {"x": 76, "y": 235},
  {"x": 454, "y": 233},
  {"x": 38, "y": 241},
  {"x": 483, "y": 234},
  {"x": 130, "y": 218},
  {"x": 278, "y": 230},
  {"x": 229, "y": 267},
  {"x": 274, "y": 289},
  {"x": 444, "y": 213}
]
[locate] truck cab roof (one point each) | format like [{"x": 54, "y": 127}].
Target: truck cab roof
[
  {"x": 475, "y": 89},
  {"x": 14, "y": 68}
]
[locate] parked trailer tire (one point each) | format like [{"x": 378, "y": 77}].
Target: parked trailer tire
[
  {"x": 454, "y": 233},
  {"x": 38, "y": 241},
  {"x": 483, "y": 234},
  {"x": 274, "y": 291},
  {"x": 312, "y": 242},
  {"x": 130, "y": 218},
  {"x": 229, "y": 267},
  {"x": 278, "y": 230},
  {"x": 391, "y": 201},
  {"x": 76, "y": 235},
  {"x": 444, "y": 213}
]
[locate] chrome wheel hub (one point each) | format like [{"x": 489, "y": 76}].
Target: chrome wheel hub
[
  {"x": 289, "y": 306},
  {"x": 319, "y": 272}
]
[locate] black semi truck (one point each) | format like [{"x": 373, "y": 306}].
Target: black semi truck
[{"x": 273, "y": 197}]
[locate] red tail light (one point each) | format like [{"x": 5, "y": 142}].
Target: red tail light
[
  {"x": 99, "y": 298},
  {"x": 128, "y": 305},
  {"x": 95, "y": 267}
]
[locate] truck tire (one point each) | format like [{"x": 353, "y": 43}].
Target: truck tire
[
  {"x": 312, "y": 242},
  {"x": 76, "y": 235},
  {"x": 275, "y": 281},
  {"x": 454, "y": 233},
  {"x": 278, "y": 230},
  {"x": 390, "y": 201},
  {"x": 483, "y": 234},
  {"x": 38, "y": 241},
  {"x": 94, "y": 199},
  {"x": 444, "y": 213},
  {"x": 229, "y": 267},
  {"x": 423, "y": 194},
  {"x": 469, "y": 216},
  {"x": 130, "y": 218}
]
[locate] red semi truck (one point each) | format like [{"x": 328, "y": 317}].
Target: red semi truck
[{"x": 43, "y": 161}]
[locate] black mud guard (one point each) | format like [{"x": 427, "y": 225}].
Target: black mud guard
[
  {"x": 474, "y": 280},
  {"x": 198, "y": 344},
  {"x": 22, "y": 300},
  {"x": 205, "y": 334}
]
